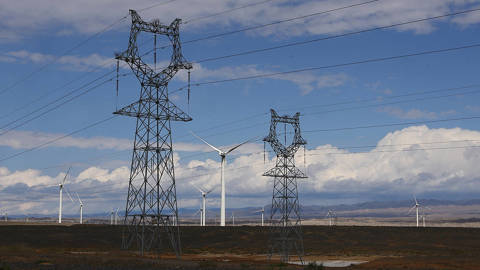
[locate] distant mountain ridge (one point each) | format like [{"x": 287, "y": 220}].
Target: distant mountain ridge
[{"x": 307, "y": 211}]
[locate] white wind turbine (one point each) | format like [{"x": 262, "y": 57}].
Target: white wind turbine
[
  {"x": 331, "y": 216},
  {"x": 223, "y": 155},
  {"x": 261, "y": 211},
  {"x": 233, "y": 218},
  {"x": 415, "y": 206},
  {"x": 81, "y": 208},
  {"x": 61, "y": 185},
  {"x": 204, "y": 203},
  {"x": 116, "y": 216}
]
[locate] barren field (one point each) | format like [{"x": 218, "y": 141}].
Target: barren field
[{"x": 243, "y": 247}]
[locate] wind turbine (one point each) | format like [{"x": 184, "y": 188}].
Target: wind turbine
[
  {"x": 233, "y": 218},
  {"x": 111, "y": 217},
  {"x": 331, "y": 216},
  {"x": 261, "y": 211},
  {"x": 416, "y": 206},
  {"x": 204, "y": 204},
  {"x": 81, "y": 208},
  {"x": 116, "y": 216},
  {"x": 223, "y": 155},
  {"x": 61, "y": 198}
]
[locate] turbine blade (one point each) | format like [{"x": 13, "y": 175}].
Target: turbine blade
[
  {"x": 65, "y": 178},
  {"x": 410, "y": 210},
  {"x": 69, "y": 196},
  {"x": 216, "y": 149},
  {"x": 235, "y": 147},
  {"x": 199, "y": 189},
  {"x": 414, "y": 197},
  {"x": 208, "y": 192},
  {"x": 78, "y": 197}
]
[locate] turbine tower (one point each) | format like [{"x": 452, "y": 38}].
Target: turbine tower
[
  {"x": 60, "y": 200},
  {"x": 81, "y": 208},
  {"x": 204, "y": 203},
  {"x": 331, "y": 216},
  {"x": 415, "y": 206},
  {"x": 261, "y": 211},
  {"x": 223, "y": 155},
  {"x": 285, "y": 222},
  {"x": 152, "y": 199}
]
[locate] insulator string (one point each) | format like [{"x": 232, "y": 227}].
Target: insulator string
[{"x": 116, "y": 98}]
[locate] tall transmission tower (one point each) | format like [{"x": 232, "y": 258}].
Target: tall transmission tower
[
  {"x": 285, "y": 223},
  {"x": 152, "y": 201}
]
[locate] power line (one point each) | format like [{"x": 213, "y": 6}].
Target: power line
[
  {"x": 225, "y": 11},
  {"x": 156, "y": 5},
  {"x": 270, "y": 24},
  {"x": 371, "y": 60},
  {"x": 55, "y": 107},
  {"x": 41, "y": 68},
  {"x": 58, "y": 138},
  {"x": 394, "y": 124},
  {"x": 334, "y": 36},
  {"x": 54, "y": 101},
  {"x": 31, "y": 74},
  {"x": 397, "y": 102},
  {"x": 413, "y": 93}
]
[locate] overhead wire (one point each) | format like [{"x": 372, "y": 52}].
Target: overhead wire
[
  {"x": 254, "y": 27},
  {"x": 225, "y": 11},
  {"x": 78, "y": 45},
  {"x": 57, "y": 139},
  {"x": 354, "y": 63},
  {"x": 335, "y": 36},
  {"x": 57, "y": 58},
  {"x": 3, "y": 132}
]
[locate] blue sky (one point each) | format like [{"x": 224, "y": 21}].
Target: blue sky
[{"x": 432, "y": 159}]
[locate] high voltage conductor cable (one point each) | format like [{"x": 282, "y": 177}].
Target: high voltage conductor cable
[
  {"x": 55, "y": 101},
  {"x": 395, "y": 124},
  {"x": 225, "y": 11},
  {"x": 58, "y": 138},
  {"x": 335, "y": 36},
  {"x": 347, "y": 102},
  {"x": 156, "y": 5},
  {"x": 54, "y": 108},
  {"x": 49, "y": 93},
  {"x": 277, "y": 22},
  {"x": 397, "y": 102},
  {"x": 383, "y": 97},
  {"x": 28, "y": 76},
  {"x": 371, "y": 60}
]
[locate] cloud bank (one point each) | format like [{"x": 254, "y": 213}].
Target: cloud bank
[{"x": 414, "y": 160}]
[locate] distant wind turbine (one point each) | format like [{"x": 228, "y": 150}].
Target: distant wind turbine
[
  {"x": 331, "y": 216},
  {"x": 261, "y": 211},
  {"x": 233, "y": 218},
  {"x": 61, "y": 186},
  {"x": 204, "y": 204},
  {"x": 415, "y": 206},
  {"x": 81, "y": 208},
  {"x": 223, "y": 155}
]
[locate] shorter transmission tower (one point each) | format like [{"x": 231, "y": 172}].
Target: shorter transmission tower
[{"x": 285, "y": 223}]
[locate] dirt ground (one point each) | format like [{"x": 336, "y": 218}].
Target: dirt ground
[{"x": 242, "y": 247}]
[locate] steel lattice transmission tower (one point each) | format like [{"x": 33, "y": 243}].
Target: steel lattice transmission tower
[
  {"x": 151, "y": 208},
  {"x": 285, "y": 223}
]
